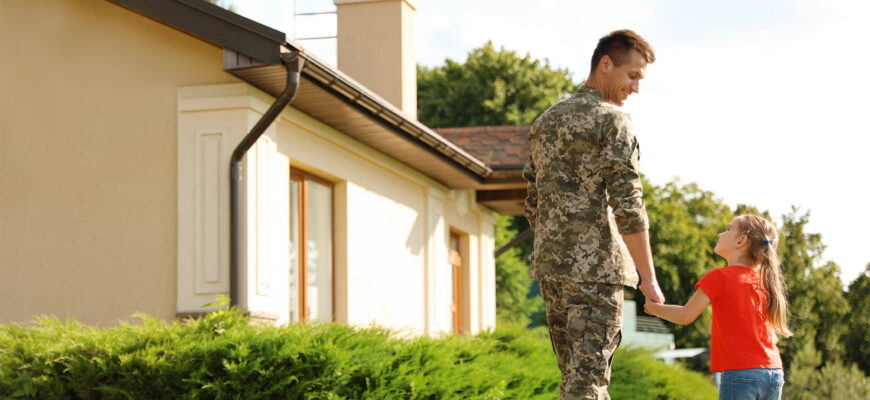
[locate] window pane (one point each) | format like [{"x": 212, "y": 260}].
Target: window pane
[
  {"x": 319, "y": 252},
  {"x": 294, "y": 251}
]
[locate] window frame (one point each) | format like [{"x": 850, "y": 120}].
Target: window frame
[
  {"x": 455, "y": 259},
  {"x": 302, "y": 178}
]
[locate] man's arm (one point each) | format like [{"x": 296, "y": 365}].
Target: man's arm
[
  {"x": 625, "y": 197},
  {"x": 680, "y": 314},
  {"x": 530, "y": 207},
  {"x": 638, "y": 247}
]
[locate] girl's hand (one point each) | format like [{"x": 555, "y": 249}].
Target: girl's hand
[
  {"x": 680, "y": 314},
  {"x": 648, "y": 309}
]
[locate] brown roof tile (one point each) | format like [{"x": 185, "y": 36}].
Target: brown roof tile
[{"x": 500, "y": 147}]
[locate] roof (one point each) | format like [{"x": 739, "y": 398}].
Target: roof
[
  {"x": 505, "y": 149},
  {"x": 252, "y": 53},
  {"x": 500, "y": 147}
]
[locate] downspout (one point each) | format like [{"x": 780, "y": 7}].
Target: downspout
[{"x": 293, "y": 63}]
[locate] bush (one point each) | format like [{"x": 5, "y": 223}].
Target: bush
[
  {"x": 224, "y": 356},
  {"x": 637, "y": 375},
  {"x": 809, "y": 380}
]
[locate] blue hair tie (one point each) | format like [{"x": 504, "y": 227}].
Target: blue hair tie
[{"x": 766, "y": 241}]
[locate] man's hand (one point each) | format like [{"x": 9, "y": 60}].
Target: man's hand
[
  {"x": 638, "y": 247},
  {"x": 652, "y": 292}
]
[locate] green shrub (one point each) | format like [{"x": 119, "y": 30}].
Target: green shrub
[
  {"x": 809, "y": 380},
  {"x": 637, "y": 375},
  {"x": 224, "y": 356}
]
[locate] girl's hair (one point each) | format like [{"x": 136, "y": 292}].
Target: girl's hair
[{"x": 763, "y": 242}]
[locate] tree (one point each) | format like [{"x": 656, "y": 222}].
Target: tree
[
  {"x": 513, "y": 303},
  {"x": 492, "y": 87},
  {"x": 818, "y": 307},
  {"x": 496, "y": 87},
  {"x": 857, "y": 339},
  {"x": 807, "y": 379}
]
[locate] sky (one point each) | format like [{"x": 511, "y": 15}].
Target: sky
[{"x": 760, "y": 102}]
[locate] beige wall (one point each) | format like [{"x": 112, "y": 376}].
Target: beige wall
[
  {"x": 88, "y": 158},
  {"x": 392, "y": 223},
  {"x": 395, "y": 234}
]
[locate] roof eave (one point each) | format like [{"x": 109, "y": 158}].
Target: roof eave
[{"x": 252, "y": 53}]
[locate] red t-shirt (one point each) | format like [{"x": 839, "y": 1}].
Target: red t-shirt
[{"x": 741, "y": 337}]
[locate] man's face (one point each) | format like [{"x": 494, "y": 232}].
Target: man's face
[{"x": 624, "y": 79}]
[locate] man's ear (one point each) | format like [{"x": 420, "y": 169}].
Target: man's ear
[{"x": 605, "y": 65}]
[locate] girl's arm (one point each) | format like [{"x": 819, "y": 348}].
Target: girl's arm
[{"x": 680, "y": 314}]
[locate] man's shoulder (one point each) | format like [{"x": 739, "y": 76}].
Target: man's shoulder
[
  {"x": 612, "y": 113},
  {"x": 581, "y": 109}
]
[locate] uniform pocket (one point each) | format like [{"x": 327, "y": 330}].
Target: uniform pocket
[{"x": 593, "y": 342}]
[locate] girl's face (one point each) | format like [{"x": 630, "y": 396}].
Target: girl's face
[{"x": 730, "y": 240}]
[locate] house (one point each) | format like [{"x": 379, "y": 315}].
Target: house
[{"x": 157, "y": 153}]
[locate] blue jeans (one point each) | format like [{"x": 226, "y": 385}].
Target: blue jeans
[{"x": 751, "y": 384}]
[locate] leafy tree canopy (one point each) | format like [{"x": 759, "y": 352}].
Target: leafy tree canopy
[
  {"x": 492, "y": 87},
  {"x": 858, "y": 336}
]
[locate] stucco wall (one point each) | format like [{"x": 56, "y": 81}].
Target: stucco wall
[
  {"x": 391, "y": 223},
  {"x": 88, "y": 158},
  {"x": 392, "y": 229}
]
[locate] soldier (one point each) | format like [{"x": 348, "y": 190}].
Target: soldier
[{"x": 584, "y": 201}]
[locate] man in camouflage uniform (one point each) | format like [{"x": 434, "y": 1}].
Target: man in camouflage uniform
[{"x": 584, "y": 204}]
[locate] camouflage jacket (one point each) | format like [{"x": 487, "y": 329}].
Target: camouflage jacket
[{"x": 584, "y": 191}]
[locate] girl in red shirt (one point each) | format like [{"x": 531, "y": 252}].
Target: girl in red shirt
[{"x": 749, "y": 308}]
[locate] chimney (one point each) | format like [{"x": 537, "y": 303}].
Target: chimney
[{"x": 376, "y": 48}]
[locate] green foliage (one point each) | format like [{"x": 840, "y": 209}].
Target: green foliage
[
  {"x": 857, "y": 338},
  {"x": 817, "y": 305},
  {"x": 224, "y": 356},
  {"x": 636, "y": 375},
  {"x": 512, "y": 301},
  {"x": 492, "y": 87},
  {"x": 808, "y": 380}
]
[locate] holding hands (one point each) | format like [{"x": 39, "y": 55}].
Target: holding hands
[
  {"x": 678, "y": 314},
  {"x": 652, "y": 292}
]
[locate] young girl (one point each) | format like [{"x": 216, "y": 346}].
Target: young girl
[{"x": 749, "y": 308}]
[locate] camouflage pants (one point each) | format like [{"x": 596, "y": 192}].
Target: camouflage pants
[{"x": 585, "y": 322}]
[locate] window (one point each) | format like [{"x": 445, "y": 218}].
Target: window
[
  {"x": 311, "y": 242},
  {"x": 456, "y": 265}
]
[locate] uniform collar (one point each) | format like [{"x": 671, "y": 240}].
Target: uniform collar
[{"x": 589, "y": 91}]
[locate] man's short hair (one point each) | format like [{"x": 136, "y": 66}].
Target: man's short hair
[{"x": 618, "y": 44}]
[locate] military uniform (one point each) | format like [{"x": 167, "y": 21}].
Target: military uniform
[{"x": 584, "y": 191}]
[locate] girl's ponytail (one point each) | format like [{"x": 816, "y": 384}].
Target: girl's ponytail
[{"x": 764, "y": 240}]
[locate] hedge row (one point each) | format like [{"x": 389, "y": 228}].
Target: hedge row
[{"x": 225, "y": 356}]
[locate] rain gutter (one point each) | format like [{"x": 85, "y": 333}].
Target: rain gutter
[{"x": 293, "y": 63}]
